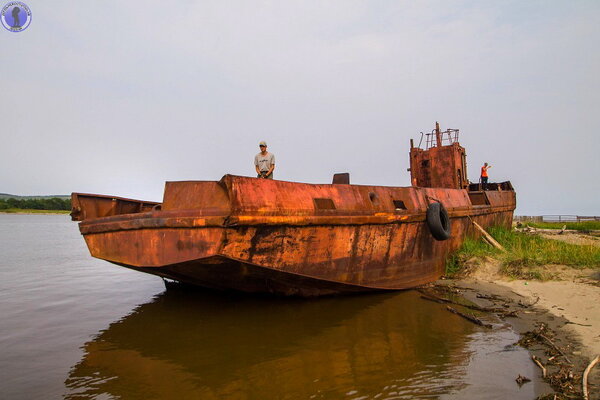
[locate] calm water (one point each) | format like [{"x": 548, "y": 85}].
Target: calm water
[{"x": 78, "y": 328}]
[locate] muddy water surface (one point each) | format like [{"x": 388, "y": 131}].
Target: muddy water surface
[{"x": 78, "y": 328}]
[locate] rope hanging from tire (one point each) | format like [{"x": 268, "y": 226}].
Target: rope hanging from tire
[{"x": 438, "y": 221}]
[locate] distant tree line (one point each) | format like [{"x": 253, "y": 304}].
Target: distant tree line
[{"x": 53, "y": 203}]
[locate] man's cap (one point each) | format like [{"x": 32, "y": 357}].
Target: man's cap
[{"x": 263, "y": 143}]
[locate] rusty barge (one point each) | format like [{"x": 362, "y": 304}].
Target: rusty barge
[{"x": 268, "y": 236}]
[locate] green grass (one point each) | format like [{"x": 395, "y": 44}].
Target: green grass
[
  {"x": 29, "y": 211},
  {"x": 579, "y": 226},
  {"x": 525, "y": 254}
]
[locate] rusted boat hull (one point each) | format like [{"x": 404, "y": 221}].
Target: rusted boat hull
[
  {"x": 261, "y": 235},
  {"x": 308, "y": 253},
  {"x": 327, "y": 277}
]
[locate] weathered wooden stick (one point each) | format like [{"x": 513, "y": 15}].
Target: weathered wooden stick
[
  {"x": 488, "y": 237},
  {"x": 436, "y": 299},
  {"x": 442, "y": 300},
  {"x": 554, "y": 346},
  {"x": 427, "y": 295},
  {"x": 539, "y": 364},
  {"x": 482, "y": 309},
  {"x": 585, "y": 376},
  {"x": 469, "y": 317},
  {"x": 486, "y": 240},
  {"x": 575, "y": 323}
]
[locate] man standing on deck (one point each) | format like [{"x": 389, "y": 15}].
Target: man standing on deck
[
  {"x": 484, "y": 175},
  {"x": 264, "y": 162}
]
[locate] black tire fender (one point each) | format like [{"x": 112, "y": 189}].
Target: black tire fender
[{"x": 438, "y": 221}]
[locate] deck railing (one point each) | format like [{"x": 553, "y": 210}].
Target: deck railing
[{"x": 447, "y": 137}]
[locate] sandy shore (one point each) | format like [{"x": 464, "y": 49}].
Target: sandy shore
[
  {"x": 568, "y": 307},
  {"x": 574, "y": 297},
  {"x": 577, "y": 302}
]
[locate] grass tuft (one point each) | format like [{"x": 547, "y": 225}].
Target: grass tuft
[{"x": 525, "y": 254}]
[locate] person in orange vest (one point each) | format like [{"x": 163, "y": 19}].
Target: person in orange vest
[{"x": 484, "y": 175}]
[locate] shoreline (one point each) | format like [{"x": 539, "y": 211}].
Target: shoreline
[
  {"x": 567, "y": 312},
  {"x": 573, "y": 294}
]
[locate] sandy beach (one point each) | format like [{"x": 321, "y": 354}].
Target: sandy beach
[
  {"x": 567, "y": 306},
  {"x": 575, "y": 297}
]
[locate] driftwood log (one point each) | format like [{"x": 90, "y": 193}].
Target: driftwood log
[
  {"x": 487, "y": 237},
  {"x": 437, "y": 299},
  {"x": 469, "y": 317},
  {"x": 585, "y": 376}
]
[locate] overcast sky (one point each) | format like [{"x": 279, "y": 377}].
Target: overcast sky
[{"x": 118, "y": 97}]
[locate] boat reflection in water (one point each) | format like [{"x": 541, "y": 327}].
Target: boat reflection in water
[{"x": 198, "y": 345}]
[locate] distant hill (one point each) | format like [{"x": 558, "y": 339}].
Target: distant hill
[{"x": 14, "y": 196}]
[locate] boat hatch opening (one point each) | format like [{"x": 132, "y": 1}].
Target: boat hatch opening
[
  {"x": 324, "y": 204},
  {"x": 399, "y": 205},
  {"x": 478, "y": 199}
]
